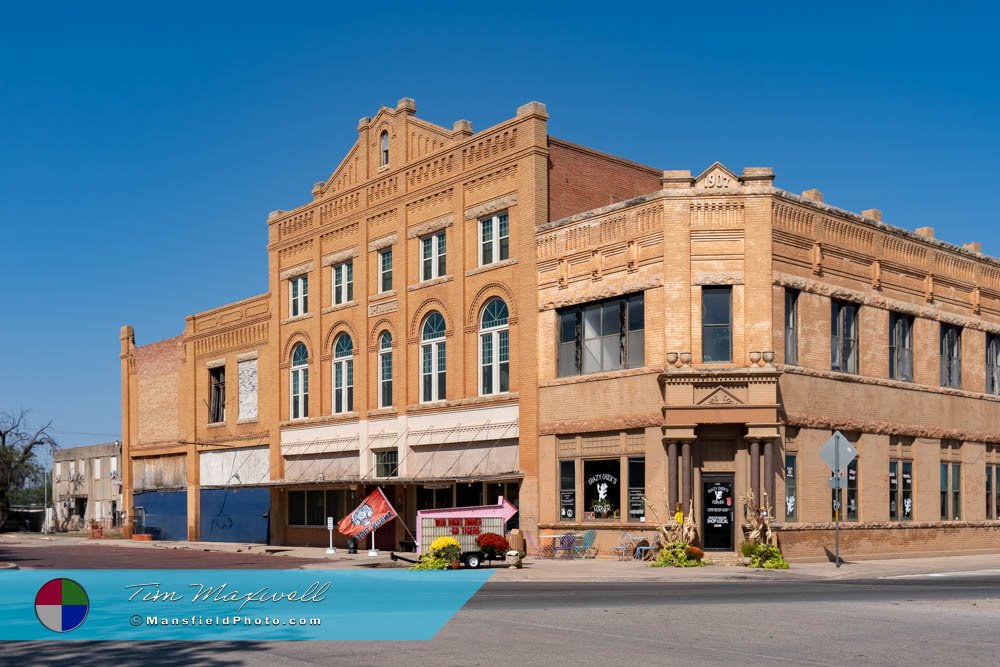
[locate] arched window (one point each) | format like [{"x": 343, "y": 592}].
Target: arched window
[
  {"x": 384, "y": 144},
  {"x": 432, "y": 359},
  {"x": 494, "y": 348},
  {"x": 299, "y": 381},
  {"x": 343, "y": 374},
  {"x": 385, "y": 370}
]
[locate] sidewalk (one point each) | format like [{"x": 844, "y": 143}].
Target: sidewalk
[{"x": 582, "y": 570}]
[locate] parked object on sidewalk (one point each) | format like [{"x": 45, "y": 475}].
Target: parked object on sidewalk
[
  {"x": 626, "y": 546},
  {"x": 565, "y": 544},
  {"x": 465, "y": 525},
  {"x": 586, "y": 548},
  {"x": 532, "y": 546}
]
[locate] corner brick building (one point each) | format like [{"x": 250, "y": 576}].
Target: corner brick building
[{"x": 458, "y": 316}]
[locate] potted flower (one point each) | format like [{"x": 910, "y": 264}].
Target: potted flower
[
  {"x": 448, "y": 549},
  {"x": 492, "y": 545}
]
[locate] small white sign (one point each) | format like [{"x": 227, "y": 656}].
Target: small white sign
[{"x": 329, "y": 523}]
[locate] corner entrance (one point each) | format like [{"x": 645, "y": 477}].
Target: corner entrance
[{"x": 718, "y": 505}]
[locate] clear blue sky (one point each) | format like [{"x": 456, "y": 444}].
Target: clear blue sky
[{"x": 142, "y": 147}]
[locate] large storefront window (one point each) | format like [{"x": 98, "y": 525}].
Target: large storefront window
[
  {"x": 602, "y": 489},
  {"x": 567, "y": 490},
  {"x": 435, "y": 496},
  {"x": 312, "y": 507},
  {"x": 791, "y": 488}
]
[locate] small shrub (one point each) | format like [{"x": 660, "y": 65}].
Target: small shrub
[
  {"x": 747, "y": 549},
  {"x": 429, "y": 561},
  {"x": 492, "y": 545},
  {"x": 676, "y": 554},
  {"x": 694, "y": 552},
  {"x": 768, "y": 557}
]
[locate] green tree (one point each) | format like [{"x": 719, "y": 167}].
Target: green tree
[{"x": 19, "y": 444}]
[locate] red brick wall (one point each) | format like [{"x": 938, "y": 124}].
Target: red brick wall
[{"x": 581, "y": 179}]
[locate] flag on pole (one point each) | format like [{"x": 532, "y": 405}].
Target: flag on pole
[{"x": 374, "y": 512}]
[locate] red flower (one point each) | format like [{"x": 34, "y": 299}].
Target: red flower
[{"x": 493, "y": 542}]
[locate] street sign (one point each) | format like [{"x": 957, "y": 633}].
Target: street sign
[{"x": 837, "y": 453}]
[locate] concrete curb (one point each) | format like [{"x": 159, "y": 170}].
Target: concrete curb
[{"x": 9, "y": 566}]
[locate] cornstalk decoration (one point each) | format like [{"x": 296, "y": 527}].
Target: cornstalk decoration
[
  {"x": 757, "y": 519},
  {"x": 672, "y": 531}
]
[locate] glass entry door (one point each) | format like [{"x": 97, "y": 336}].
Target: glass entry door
[{"x": 718, "y": 515}]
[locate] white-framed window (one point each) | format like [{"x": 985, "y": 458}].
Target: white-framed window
[
  {"x": 114, "y": 466},
  {"x": 433, "y": 365},
  {"x": 385, "y": 370},
  {"x": 494, "y": 348},
  {"x": 385, "y": 270},
  {"x": 343, "y": 282},
  {"x": 433, "y": 249},
  {"x": 387, "y": 463},
  {"x": 384, "y": 148},
  {"x": 97, "y": 468},
  {"x": 343, "y": 374},
  {"x": 299, "y": 383},
  {"x": 298, "y": 295},
  {"x": 494, "y": 239}
]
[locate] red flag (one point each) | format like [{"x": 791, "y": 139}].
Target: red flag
[{"x": 374, "y": 512}]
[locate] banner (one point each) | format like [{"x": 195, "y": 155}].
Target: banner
[{"x": 374, "y": 512}]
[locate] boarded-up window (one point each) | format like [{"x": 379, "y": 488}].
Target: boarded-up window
[{"x": 248, "y": 389}]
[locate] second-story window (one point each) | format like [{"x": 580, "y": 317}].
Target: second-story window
[
  {"x": 951, "y": 356},
  {"x": 900, "y": 347},
  {"x": 602, "y": 336},
  {"x": 385, "y": 370},
  {"x": 844, "y": 337},
  {"x": 343, "y": 282},
  {"x": 298, "y": 296},
  {"x": 791, "y": 327},
  {"x": 343, "y": 374},
  {"x": 217, "y": 387},
  {"x": 299, "y": 383},
  {"x": 992, "y": 364},
  {"x": 433, "y": 249},
  {"x": 494, "y": 239},
  {"x": 385, "y": 270},
  {"x": 716, "y": 324},
  {"x": 494, "y": 349},
  {"x": 433, "y": 359},
  {"x": 384, "y": 148}
]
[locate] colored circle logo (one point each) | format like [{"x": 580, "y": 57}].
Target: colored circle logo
[{"x": 61, "y": 605}]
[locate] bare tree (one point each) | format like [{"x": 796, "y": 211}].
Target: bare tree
[{"x": 18, "y": 445}]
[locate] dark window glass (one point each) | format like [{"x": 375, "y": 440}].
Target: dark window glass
[
  {"x": 567, "y": 490},
  {"x": 217, "y": 379},
  {"x": 716, "y": 324},
  {"x": 791, "y": 327},
  {"x": 602, "y": 489},
  {"x": 315, "y": 508},
  {"x": 951, "y": 356},
  {"x": 296, "y": 508},
  {"x": 636, "y": 489},
  {"x": 469, "y": 495},
  {"x": 992, "y": 364},
  {"x": 791, "y": 488},
  {"x": 847, "y": 500},
  {"x": 900, "y": 347},
  {"x": 387, "y": 463},
  {"x": 844, "y": 337}
]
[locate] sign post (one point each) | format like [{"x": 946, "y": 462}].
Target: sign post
[
  {"x": 329, "y": 526},
  {"x": 837, "y": 453}
]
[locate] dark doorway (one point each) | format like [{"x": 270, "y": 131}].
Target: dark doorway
[{"x": 717, "y": 513}]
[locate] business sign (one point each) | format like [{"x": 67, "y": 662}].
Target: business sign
[
  {"x": 636, "y": 504},
  {"x": 464, "y": 529},
  {"x": 567, "y": 504}
]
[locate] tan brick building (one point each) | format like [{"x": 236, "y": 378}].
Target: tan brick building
[
  {"x": 457, "y": 316},
  {"x": 87, "y": 486}
]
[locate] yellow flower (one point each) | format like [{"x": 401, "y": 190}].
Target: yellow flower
[{"x": 445, "y": 542}]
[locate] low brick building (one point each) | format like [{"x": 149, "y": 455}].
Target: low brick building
[{"x": 458, "y": 316}]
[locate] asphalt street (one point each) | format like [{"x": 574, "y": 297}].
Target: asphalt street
[{"x": 913, "y": 620}]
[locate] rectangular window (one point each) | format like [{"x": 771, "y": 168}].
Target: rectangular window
[
  {"x": 992, "y": 364},
  {"x": 385, "y": 378},
  {"x": 602, "y": 336},
  {"x": 900, "y": 490},
  {"x": 298, "y": 302},
  {"x": 338, "y": 503},
  {"x": 296, "y": 508},
  {"x": 246, "y": 377},
  {"x": 602, "y": 489},
  {"x": 847, "y": 501},
  {"x": 567, "y": 490},
  {"x": 636, "y": 489},
  {"x": 494, "y": 239},
  {"x": 791, "y": 327},
  {"x": 900, "y": 347},
  {"x": 343, "y": 283},
  {"x": 716, "y": 324},
  {"x": 951, "y": 491},
  {"x": 387, "y": 463},
  {"x": 217, "y": 403},
  {"x": 791, "y": 488},
  {"x": 385, "y": 270},
  {"x": 951, "y": 356},
  {"x": 844, "y": 337},
  {"x": 433, "y": 250},
  {"x": 114, "y": 466},
  {"x": 315, "y": 508},
  {"x": 990, "y": 505},
  {"x": 97, "y": 468}
]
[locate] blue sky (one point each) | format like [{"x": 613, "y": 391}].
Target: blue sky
[{"x": 141, "y": 148}]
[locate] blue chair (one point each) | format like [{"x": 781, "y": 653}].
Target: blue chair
[{"x": 586, "y": 548}]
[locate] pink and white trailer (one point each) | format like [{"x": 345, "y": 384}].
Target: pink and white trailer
[{"x": 465, "y": 524}]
